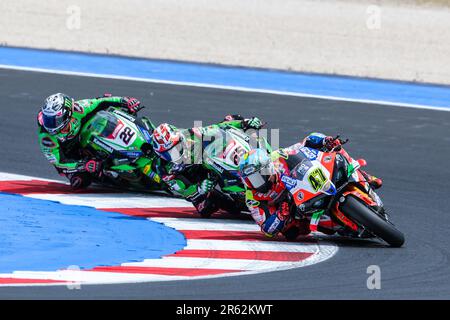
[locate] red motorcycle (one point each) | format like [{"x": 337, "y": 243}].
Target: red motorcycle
[{"x": 329, "y": 189}]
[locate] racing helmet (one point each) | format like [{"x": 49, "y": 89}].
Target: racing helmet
[
  {"x": 166, "y": 141},
  {"x": 257, "y": 170},
  {"x": 56, "y": 112}
]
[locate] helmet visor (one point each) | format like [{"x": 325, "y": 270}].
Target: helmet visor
[
  {"x": 52, "y": 123},
  {"x": 256, "y": 180}
]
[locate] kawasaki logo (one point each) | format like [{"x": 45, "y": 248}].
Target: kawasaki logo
[
  {"x": 103, "y": 145},
  {"x": 124, "y": 115},
  {"x": 215, "y": 166}
]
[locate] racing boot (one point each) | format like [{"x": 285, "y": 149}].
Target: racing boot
[
  {"x": 295, "y": 228},
  {"x": 373, "y": 181}
]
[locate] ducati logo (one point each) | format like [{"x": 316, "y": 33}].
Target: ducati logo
[{"x": 300, "y": 196}]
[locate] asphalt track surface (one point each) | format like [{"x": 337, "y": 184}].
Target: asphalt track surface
[{"x": 408, "y": 148}]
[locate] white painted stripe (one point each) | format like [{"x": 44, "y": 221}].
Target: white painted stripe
[
  {"x": 88, "y": 276},
  {"x": 208, "y": 224},
  {"x": 233, "y": 88},
  {"x": 211, "y": 263},
  {"x": 200, "y": 244},
  {"x": 125, "y": 200},
  {"x": 4, "y": 176}
]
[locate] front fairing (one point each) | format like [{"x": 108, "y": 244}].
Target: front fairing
[{"x": 111, "y": 133}]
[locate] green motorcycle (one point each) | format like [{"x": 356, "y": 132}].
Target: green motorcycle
[
  {"x": 122, "y": 143},
  {"x": 221, "y": 159}
]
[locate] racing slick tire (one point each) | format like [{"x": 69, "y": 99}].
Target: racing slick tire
[{"x": 376, "y": 224}]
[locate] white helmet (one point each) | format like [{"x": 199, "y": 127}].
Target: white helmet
[{"x": 56, "y": 112}]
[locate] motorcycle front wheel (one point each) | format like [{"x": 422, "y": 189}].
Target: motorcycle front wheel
[{"x": 373, "y": 222}]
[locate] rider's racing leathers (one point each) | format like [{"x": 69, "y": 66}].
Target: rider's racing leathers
[{"x": 63, "y": 149}]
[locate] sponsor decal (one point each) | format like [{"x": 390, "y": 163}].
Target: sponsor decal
[
  {"x": 311, "y": 154},
  {"x": 300, "y": 196},
  {"x": 47, "y": 142},
  {"x": 289, "y": 182},
  {"x": 117, "y": 129},
  {"x": 124, "y": 115},
  {"x": 51, "y": 158},
  {"x": 168, "y": 178},
  {"x": 103, "y": 145},
  {"x": 252, "y": 203},
  {"x": 146, "y": 134},
  {"x": 301, "y": 170},
  {"x": 327, "y": 159},
  {"x": 155, "y": 177},
  {"x": 78, "y": 108},
  {"x": 214, "y": 165},
  {"x": 131, "y": 154},
  {"x": 146, "y": 169}
]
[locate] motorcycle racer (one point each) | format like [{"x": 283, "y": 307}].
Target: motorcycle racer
[
  {"x": 266, "y": 193},
  {"x": 59, "y": 123},
  {"x": 182, "y": 151}
]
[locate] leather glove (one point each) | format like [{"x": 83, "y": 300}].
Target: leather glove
[
  {"x": 93, "y": 167},
  {"x": 206, "y": 186},
  {"x": 133, "y": 105},
  {"x": 231, "y": 117},
  {"x": 284, "y": 212},
  {"x": 176, "y": 168},
  {"x": 253, "y": 123},
  {"x": 79, "y": 181},
  {"x": 332, "y": 144}
]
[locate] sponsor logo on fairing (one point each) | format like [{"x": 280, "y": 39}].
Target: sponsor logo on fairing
[
  {"x": 289, "y": 182},
  {"x": 311, "y": 154},
  {"x": 146, "y": 134},
  {"x": 214, "y": 165},
  {"x": 124, "y": 115},
  {"x": 131, "y": 154},
  {"x": 300, "y": 196},
  {"x": 103, "y": 145}
]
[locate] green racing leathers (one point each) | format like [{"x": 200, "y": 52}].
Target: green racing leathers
[
  {"x": 63, "y": 148},
  {"x": 190, "y": 179}
]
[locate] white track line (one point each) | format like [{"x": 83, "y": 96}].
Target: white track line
[
  {"x": 211, "y": 263},
  {"x": 208, "y": 224},
  {"x": 116, "y": 200},
  {"x": 90, "y": 276},
  {"x": 238, "y": 245},
  {"x": 4, "y": 176}
]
